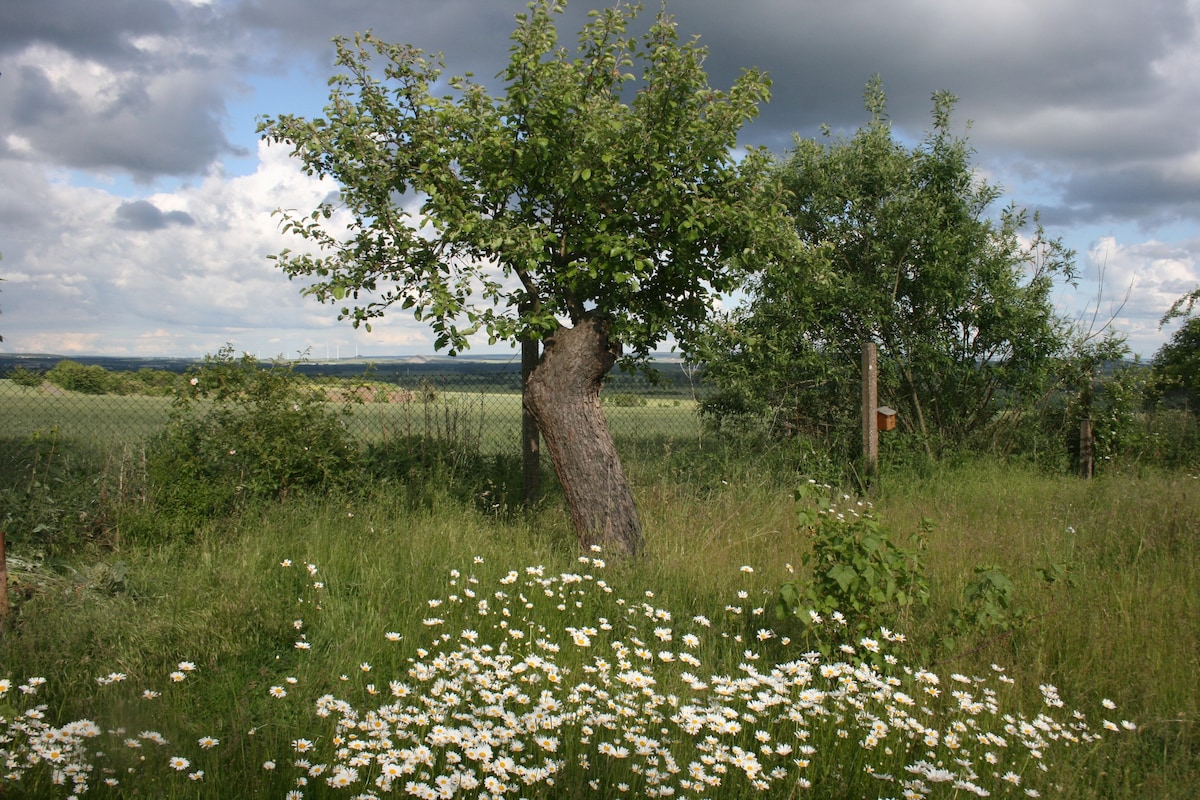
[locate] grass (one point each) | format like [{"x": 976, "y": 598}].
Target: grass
[
  {"x": 103, "y": 418},
  {"x": 1124, "y": 622},
  {"x": 1121, "y": 621}
]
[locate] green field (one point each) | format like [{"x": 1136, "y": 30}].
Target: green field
[{"x": 511, "y": 638}]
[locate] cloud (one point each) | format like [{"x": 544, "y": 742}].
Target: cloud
[
  {"x": 1132, "y": 284},
  {"x": 179, "y": 272},
  {"x": 142, "y": 215},
  {"x": 136, "y": 201},
  {"x": 93, "y": 116},
  {"x": 85, "y": 28}
]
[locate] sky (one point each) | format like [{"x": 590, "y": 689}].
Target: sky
[{"x": 136, "y": 199}]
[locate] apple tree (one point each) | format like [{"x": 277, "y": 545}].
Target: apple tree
[{"x": 596, "y": 202}]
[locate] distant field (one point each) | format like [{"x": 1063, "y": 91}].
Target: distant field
[{"x": 102, "y": 418}]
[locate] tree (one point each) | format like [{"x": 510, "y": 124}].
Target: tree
[
  {"x": 586, "y": 206},
  {"x": 1176, "y": 365},
  {"x": 900, "y": 251},
  {"x": 26, "y": 378}
]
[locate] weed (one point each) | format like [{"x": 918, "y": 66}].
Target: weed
[{"x": 856, "y": 569}]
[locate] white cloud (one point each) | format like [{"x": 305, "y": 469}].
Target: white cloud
[
  {"x": 100, "y": 289},
  {"x": 1140, "y": 281},
  {"x": 1092, "y": 111}
]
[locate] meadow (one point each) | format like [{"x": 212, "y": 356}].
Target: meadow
[{"x": 362, "y": 644}]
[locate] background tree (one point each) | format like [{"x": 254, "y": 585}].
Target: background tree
[
  {"x": 588, "y": 205},
  {"x": 901, "y": 251},
  {"x": 1176, "y": 365},
  {"x": 26, "y": 378}
]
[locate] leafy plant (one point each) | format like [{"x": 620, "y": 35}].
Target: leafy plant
[
  {"x": 82, "y": 378},
  {"x": 623, "y": 400},
  {"x": 54, "y": 494},
  {"x": 1177, "y": 366},
  {"x": 988, "y": 607},
  {"x": 857, "y": 572}
]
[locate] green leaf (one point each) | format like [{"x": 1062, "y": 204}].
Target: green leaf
[{"x": 844, "y": 575}]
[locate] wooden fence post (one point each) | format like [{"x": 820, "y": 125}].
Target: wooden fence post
[
  {"x": 1087, "y": 442},
  {"x": 870, "y": 400}
]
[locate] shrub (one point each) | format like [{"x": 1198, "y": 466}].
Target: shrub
[
  {"x": 427, "y": 467},
  {"x": 56, "y": 493},
  {"x": 623, "y": 400},
  {"x": 82, "y": 378},
  {"x": 858, "y": 573},
  {"x": 239, "y": 431},
  {"x": 28, "y": 378}
]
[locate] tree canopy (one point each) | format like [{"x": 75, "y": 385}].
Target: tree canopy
[
  {"x": 1176, "y": 365},
  {"x": 901, "y": 251},
  {"x": 586, "y": 188}
]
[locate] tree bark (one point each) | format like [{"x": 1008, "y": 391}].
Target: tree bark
[{"x": 563, "y": 394}]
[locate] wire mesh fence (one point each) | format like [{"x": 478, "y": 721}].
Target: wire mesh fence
[{"x": 479, "y": 400}]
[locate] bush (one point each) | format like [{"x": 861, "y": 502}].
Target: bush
[
  {"x": 239, "y": 431},
  {"x": 857, "y": 571},
  {"x": 82, "y": 378},
  {"x": 27, "y": 378}
]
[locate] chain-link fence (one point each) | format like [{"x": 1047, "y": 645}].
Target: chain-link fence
[{"x": 478, "y": 401}]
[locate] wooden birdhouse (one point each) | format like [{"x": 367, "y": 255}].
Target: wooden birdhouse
[{"x": 885, "y": 418}]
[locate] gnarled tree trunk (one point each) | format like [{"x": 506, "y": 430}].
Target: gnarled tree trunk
[{"x": 563, "y": 394}]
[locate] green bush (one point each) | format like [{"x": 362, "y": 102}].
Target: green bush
[
  {"x": 82, "y": 378},
  {"x": 56, "y": 493},
  {"x": 27, "y": 378},
  {"x": 238, "y": 431}
]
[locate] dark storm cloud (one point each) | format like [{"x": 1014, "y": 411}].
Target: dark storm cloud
[
  {"x": 87, "y": 28},
  {"x": 1068, "y": 88},
  {"x": 472, "y": 34},
  {"x": 998, "y": 57},
  {"x": 34, "y": 98},
  {"x": 1076, "y": 91},
  {"x": 1005, "y": 60},
  {"x": 138, "y": 86},
  {"x": 143, "y": 124},
  {"x": 142, "y": 215},
  {"x": 1141, "y": 194}
]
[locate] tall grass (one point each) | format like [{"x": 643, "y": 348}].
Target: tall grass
[
  {"x": 1120, "y": 621},
  {"x": 1124, "y": 619}
]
